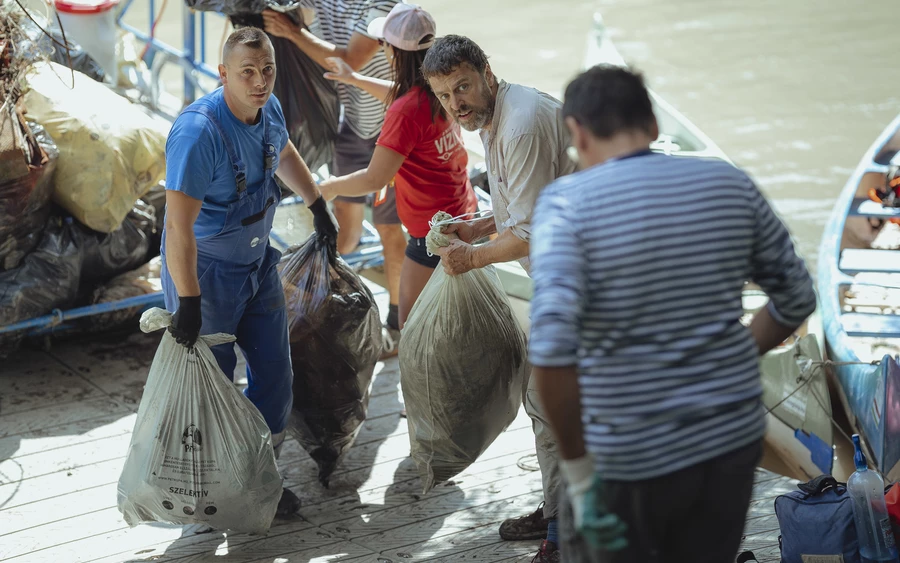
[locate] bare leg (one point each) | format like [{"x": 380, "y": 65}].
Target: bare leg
[
  {"x": 412, "y": 280},
  {"x": 394, "y": 243},
  {"x": 349, "y": 216}
]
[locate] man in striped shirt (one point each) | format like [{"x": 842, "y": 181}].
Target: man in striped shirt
[
  {"x": 342, "y": 28},
  {"x": 648, "y": 377}
]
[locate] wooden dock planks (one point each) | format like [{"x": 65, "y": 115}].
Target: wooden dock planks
[{"x": 65, "y": 425}]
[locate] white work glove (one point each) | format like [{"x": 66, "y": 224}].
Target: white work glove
[{"x": 592, "y": 519}]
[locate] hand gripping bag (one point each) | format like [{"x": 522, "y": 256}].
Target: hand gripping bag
[
  {"x": 335, "y": 334},
  {"x": 200, "y": 451},
  {"x": 462, "y": 367}
]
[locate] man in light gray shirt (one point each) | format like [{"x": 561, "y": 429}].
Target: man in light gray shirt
[
  {"x": 525, "y": 141},
  {"x": 525, "y": 144}
]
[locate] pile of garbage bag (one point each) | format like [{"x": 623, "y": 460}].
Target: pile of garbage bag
[
  {"x": 111, "y": 154},
  {"x": 335, "y": 335},
  {"x": 80, "y": 194},
  {"x": 69, "y": 264},
  {"x": 25, "y": 196}
]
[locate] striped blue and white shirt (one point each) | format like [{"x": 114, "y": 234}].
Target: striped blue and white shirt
[
  {"x": 336, "y": 21},
  {"x": 638, "y": 267}
]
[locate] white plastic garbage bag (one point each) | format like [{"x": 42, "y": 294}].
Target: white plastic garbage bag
[
  {"x": 200, "y": 451},
  {"x": 462, "y": 368}
]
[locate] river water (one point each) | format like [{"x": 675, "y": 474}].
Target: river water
[{"x": 794, "y": 91}]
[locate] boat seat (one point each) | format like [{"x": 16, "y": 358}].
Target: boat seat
[
  {"x": 855, "y": 260},
  {"x": 875, "y": 326},
  {"x": 865, "y": 207}
]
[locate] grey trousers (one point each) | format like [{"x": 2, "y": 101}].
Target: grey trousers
[
  {"x": 545, "y": 444},
  {"x": 693, "y": 515}
]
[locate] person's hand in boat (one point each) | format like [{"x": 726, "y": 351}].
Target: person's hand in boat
[
  {"x": 339, "y": 70},
  {"x": 278, "y": 24},
  {"x": 458, "y": 257},
  {"x": 464, "y": 230}
]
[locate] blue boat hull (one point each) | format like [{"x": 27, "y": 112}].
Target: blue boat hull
[{"x": 870, "y": 391}]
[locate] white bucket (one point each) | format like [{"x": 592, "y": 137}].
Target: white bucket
[{"x": 92, "y": 24}]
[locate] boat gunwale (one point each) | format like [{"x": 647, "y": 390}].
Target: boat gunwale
[{"x": 830, "y": 282}]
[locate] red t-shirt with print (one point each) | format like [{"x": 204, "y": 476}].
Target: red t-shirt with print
[{"x": 433, "y": 177}]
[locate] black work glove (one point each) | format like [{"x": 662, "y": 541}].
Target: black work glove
[
  {"x": 186, "y": 322},
  {"x": 326, "y": 230}
]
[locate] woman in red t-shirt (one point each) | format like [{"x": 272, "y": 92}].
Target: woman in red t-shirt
[{"x": 419, "y": 148}]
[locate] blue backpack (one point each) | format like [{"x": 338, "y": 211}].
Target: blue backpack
[{"x": 817, "y": 520}]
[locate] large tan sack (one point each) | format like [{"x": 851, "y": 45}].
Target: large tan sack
[
  {"x": 462, "y": 367},
  {"x": 110, "y": 152}
]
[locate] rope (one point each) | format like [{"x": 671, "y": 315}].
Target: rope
[
  {"x": 436, "y": 238},
  {"x": 817, "y": 365}
]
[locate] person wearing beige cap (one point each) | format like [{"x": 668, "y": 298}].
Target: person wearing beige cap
[
  {"x": 420, "y": 147},
  {"x": 525, "y": 144}
]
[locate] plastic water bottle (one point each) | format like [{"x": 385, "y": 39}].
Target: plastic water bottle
[{"x": 873, "y": 525}]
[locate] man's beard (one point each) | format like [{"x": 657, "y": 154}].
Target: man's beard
[{"x": 482, "y": 114}]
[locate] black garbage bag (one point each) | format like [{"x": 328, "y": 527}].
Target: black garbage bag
[
  {"x": 156, "y": 199},
  {"x": 69, "y": 263},
  {"x": 67, "y": 267},
  {"x": 25, "y": 201},
  {"x": 52, "y": 46},
  {"x": 310, "y": 103},
  {"x": 144, "y": 280},
  {"x": 232, "y": 7},
  {"x": 335, "y": 334},
  {"x": 106, "y": 255},
  {"x": 47, "y": 278},
  {"x": 143, "y": 216},
  {"x": 309, "y": 100}
]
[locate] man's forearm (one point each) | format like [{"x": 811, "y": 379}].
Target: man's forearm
[
  {"x": 296, "y": 175},
  {"x": 767, "y": 332},
  {"x": 484, "y": 226},
  {"x": 181, "y": 260},
  {"x": 315, "y": 48},
  {"x": 561, "y": 400},
  {"x": 352, "y": 185},
  {"x": 375, "y": 87},
  {"x": 505, "y": 248}
]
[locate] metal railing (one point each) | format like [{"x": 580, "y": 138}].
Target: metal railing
[{"x": 159, "y": 53}]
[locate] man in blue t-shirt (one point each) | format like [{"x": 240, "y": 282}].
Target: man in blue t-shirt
[{"x": 219, "y": 271}]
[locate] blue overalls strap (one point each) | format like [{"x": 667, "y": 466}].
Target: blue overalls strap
[
  {"x": 237, "y": 165},
  {"x": 269, "y": 151}
]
